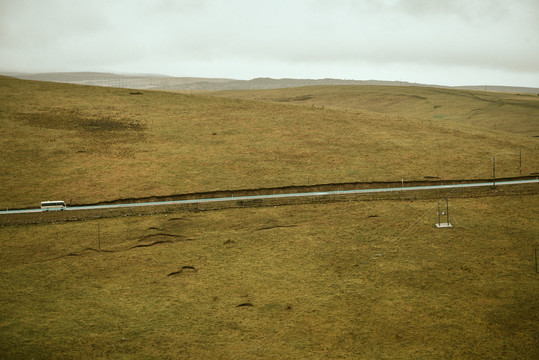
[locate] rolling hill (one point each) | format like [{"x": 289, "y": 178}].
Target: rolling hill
[
  {"x": 517, "y": 113},
  {"x": 86, "y": 144},
  {"x": 355, "y": 279}
]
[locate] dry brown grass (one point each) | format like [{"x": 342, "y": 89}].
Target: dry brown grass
[
  {"x": 346, "y": 280},
  {"x": 87, "y": 144},
  {"x": 516, "y": 113},
  {"x": 364, "y": 279}
]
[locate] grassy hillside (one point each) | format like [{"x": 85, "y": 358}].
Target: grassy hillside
[
  {"x": 87, "y": 144},
  {"x": 360, "y": 280},
  {"x": 518, "y": 113}
]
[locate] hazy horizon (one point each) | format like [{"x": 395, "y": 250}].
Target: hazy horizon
[
  {"x": 160, "y": 81},
  {"x": 453, "y": 43}
]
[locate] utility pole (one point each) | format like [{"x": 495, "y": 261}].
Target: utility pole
[
  {"x": 493, "y": 172},
  {"x": 520, "y": 162},
  {"x": 447, "y": 209}
]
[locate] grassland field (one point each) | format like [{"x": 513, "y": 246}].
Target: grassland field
[
  {"x": 85, "y": 144},
  {"x": 362, "y": 279},
  {"x": 514, "y": 113},
  {"x": 351, "y": 279}
]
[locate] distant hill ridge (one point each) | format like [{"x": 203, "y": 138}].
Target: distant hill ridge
[{"x": 165, "y": 82}]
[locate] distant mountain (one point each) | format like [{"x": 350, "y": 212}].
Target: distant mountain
[
  {"x": 511, "y": 89},
  {"x": 142, "y": 81},
  {"x": 269, "y": 83},
  {"x": 132, "y": 81},
  {"x": 164, "y": 82}
]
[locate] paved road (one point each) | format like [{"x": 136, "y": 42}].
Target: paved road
[{"x": 275, "y": 196}]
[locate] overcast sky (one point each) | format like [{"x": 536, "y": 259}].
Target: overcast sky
[{"x": 446, "y": 42}]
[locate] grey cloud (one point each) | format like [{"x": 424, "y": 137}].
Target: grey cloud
[
  {"x": 470, "y": 10},
  {"x": 177, "y": 6},
  {"x": 240, "y": 38}
]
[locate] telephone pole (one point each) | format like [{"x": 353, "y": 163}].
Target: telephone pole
[
  {"x": 493, "y": 172},
  {"x": 520, "y": 162}
]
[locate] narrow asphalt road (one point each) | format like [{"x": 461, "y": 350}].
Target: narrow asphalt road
[{"x": 274, "y": 196}]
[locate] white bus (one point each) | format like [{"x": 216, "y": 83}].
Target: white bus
[{"x": 48, "y": 205}]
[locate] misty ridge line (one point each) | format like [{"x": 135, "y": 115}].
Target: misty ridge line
[{"x": 165, "y": 82}]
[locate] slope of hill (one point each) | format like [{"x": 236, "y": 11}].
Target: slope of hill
[
  {"x": 510, "y": 89},
  {"x": 320, "y": 281},
  {"x": 517, "y": 113},
  {"x": 85, "y": 144}
]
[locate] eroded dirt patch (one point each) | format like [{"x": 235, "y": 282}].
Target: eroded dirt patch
[
  {"x": 184, "y": 269},
  {"x": 83, "y": 121}
]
